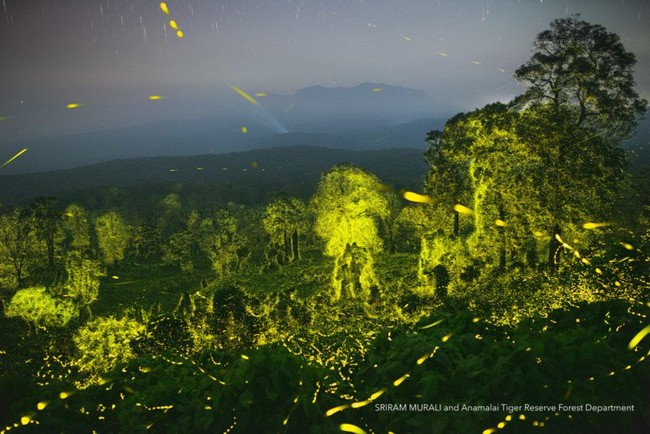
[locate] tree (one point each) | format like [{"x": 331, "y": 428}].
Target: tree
[
  {"x": 113, "y": 235},
  {"x": 47, "y": 220},
  {"x": 178, "y": 250},
  {"x": 586, "y": 76},
  {"x": 82, "y": 284},
  {"x": 580, "y": 105},
  {"x": 75, "y": 229},
  {"x": 37, "y": 307},
  {"x": 17, "y": 242},
  {"x": 222, "y": 242},
  {"x": 105, "y": 342},
  {"x": 348, "y": 207},
  {"x": 447, "y": 182},
  {"x": 284, "y": 220}
]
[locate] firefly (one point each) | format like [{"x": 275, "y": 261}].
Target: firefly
[
  {"x": 21, "y": 152},
  {"x": 244, "y": 95},
  {"x": 415, "y": 197}
]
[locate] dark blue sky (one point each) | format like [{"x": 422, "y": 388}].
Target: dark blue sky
[{"x": 111, "y": 55}]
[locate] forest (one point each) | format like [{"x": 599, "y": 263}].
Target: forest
[{"x": 509, "y": 293}]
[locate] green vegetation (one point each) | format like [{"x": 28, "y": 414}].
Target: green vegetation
[{"x": 366, "y": 308}]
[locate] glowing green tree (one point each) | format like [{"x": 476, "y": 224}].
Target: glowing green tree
[
  {"x": 18, "y": 245},
  {"x": 447, "y": 182},
  {"x": 75, "y": 229},
  {"x": 82, "y": 284},
  {"x": 41, "y": 310},
  {"x": 222, "y": 242},
  {"x": 178, "y": 250},
  {"x": 113, "y": 236},
  {"x": 348, "y": 207},
  {"x": 103, "y": 343},
  {"x": 284, "y": 220},
  {"x": 47, "y": 220}
]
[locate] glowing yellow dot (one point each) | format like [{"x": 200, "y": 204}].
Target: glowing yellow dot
[
  {"x": 115, "y": 277},
  {"x": 500, "y": 223},
  {"x": 376, "y": 395},
  {"x": 173, "y": 24},
  {"x": 155, "y": 97},
  {"x": 415, "y": 197},
  {"x": 179, "y": 34},
  {"x": 599, "y": 271},
  {"x": 244, "y": 130},
  {"x": 522, "y": 417},
  {"x": 591, "y": 225},
  {"x": 65, "y": 395},
  {"x": 334, "y": 410},
  {"x": 25, "y": 420},
  {"x": 245, "y": 357},
  {"x": 163, "y": 7},
  {"x": 400, "y": 380},
  {"x": 73, "y": 105},
  {"x": 377, "y": 89},
  {"x": 509, "y": 417},
  {"x": 638, "y": 337},
  {"x": 446, "y": 338},
  {"x": 627, "y": 246},
  {"x": 254, "y": 164},
  {"x": 463, "y": 209},
  {"x": 359, "y": 404},
  {"x": 348, "y": 427},
  {"x": 501, "y": 425},
  {"x": 490, "y": 430},
  {"x": 260, "y": 94},
  {"x": 41, "y": 405}
]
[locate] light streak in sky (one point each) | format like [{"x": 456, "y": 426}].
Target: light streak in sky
[
  {"x": 14, "y": 157},
  {"x": 244, "y": 95}
]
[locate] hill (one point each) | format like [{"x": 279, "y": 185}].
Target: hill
[{"x": 246, "y": 177}]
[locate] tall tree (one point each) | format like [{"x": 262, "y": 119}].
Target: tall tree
[
  {"x": 284, "y": 221},
  {"x": 348, "y": 208},
  {"x": 585, "y": 76},
  {"x": 113, "y": 235},
  {"x": 75, "y": 229},
  {"x": 82, "y": 284},
  {"x": 580, "y": 105},
  {"x": 17, "y": 242},
  {"x": 47, "y": 220},
  {"x": 447, "y": 182},
  {"x": 223, "y": 243}
]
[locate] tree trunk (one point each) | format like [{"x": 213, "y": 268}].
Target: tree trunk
[
  {"x": 287, "y": 247},
  {"x": 295, "y": 246},
  {"x": 554, "y": 247},
  {"x": 50, "y": 252},
  {"x": 502, "y": 252}
]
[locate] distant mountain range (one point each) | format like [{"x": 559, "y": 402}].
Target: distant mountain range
[{"x": 368, "y": 116}]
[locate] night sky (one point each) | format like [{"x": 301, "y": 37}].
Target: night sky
[{"x": 109, "y": 56}]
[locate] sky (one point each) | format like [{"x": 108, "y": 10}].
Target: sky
[{"x": 109, "y": 56}]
